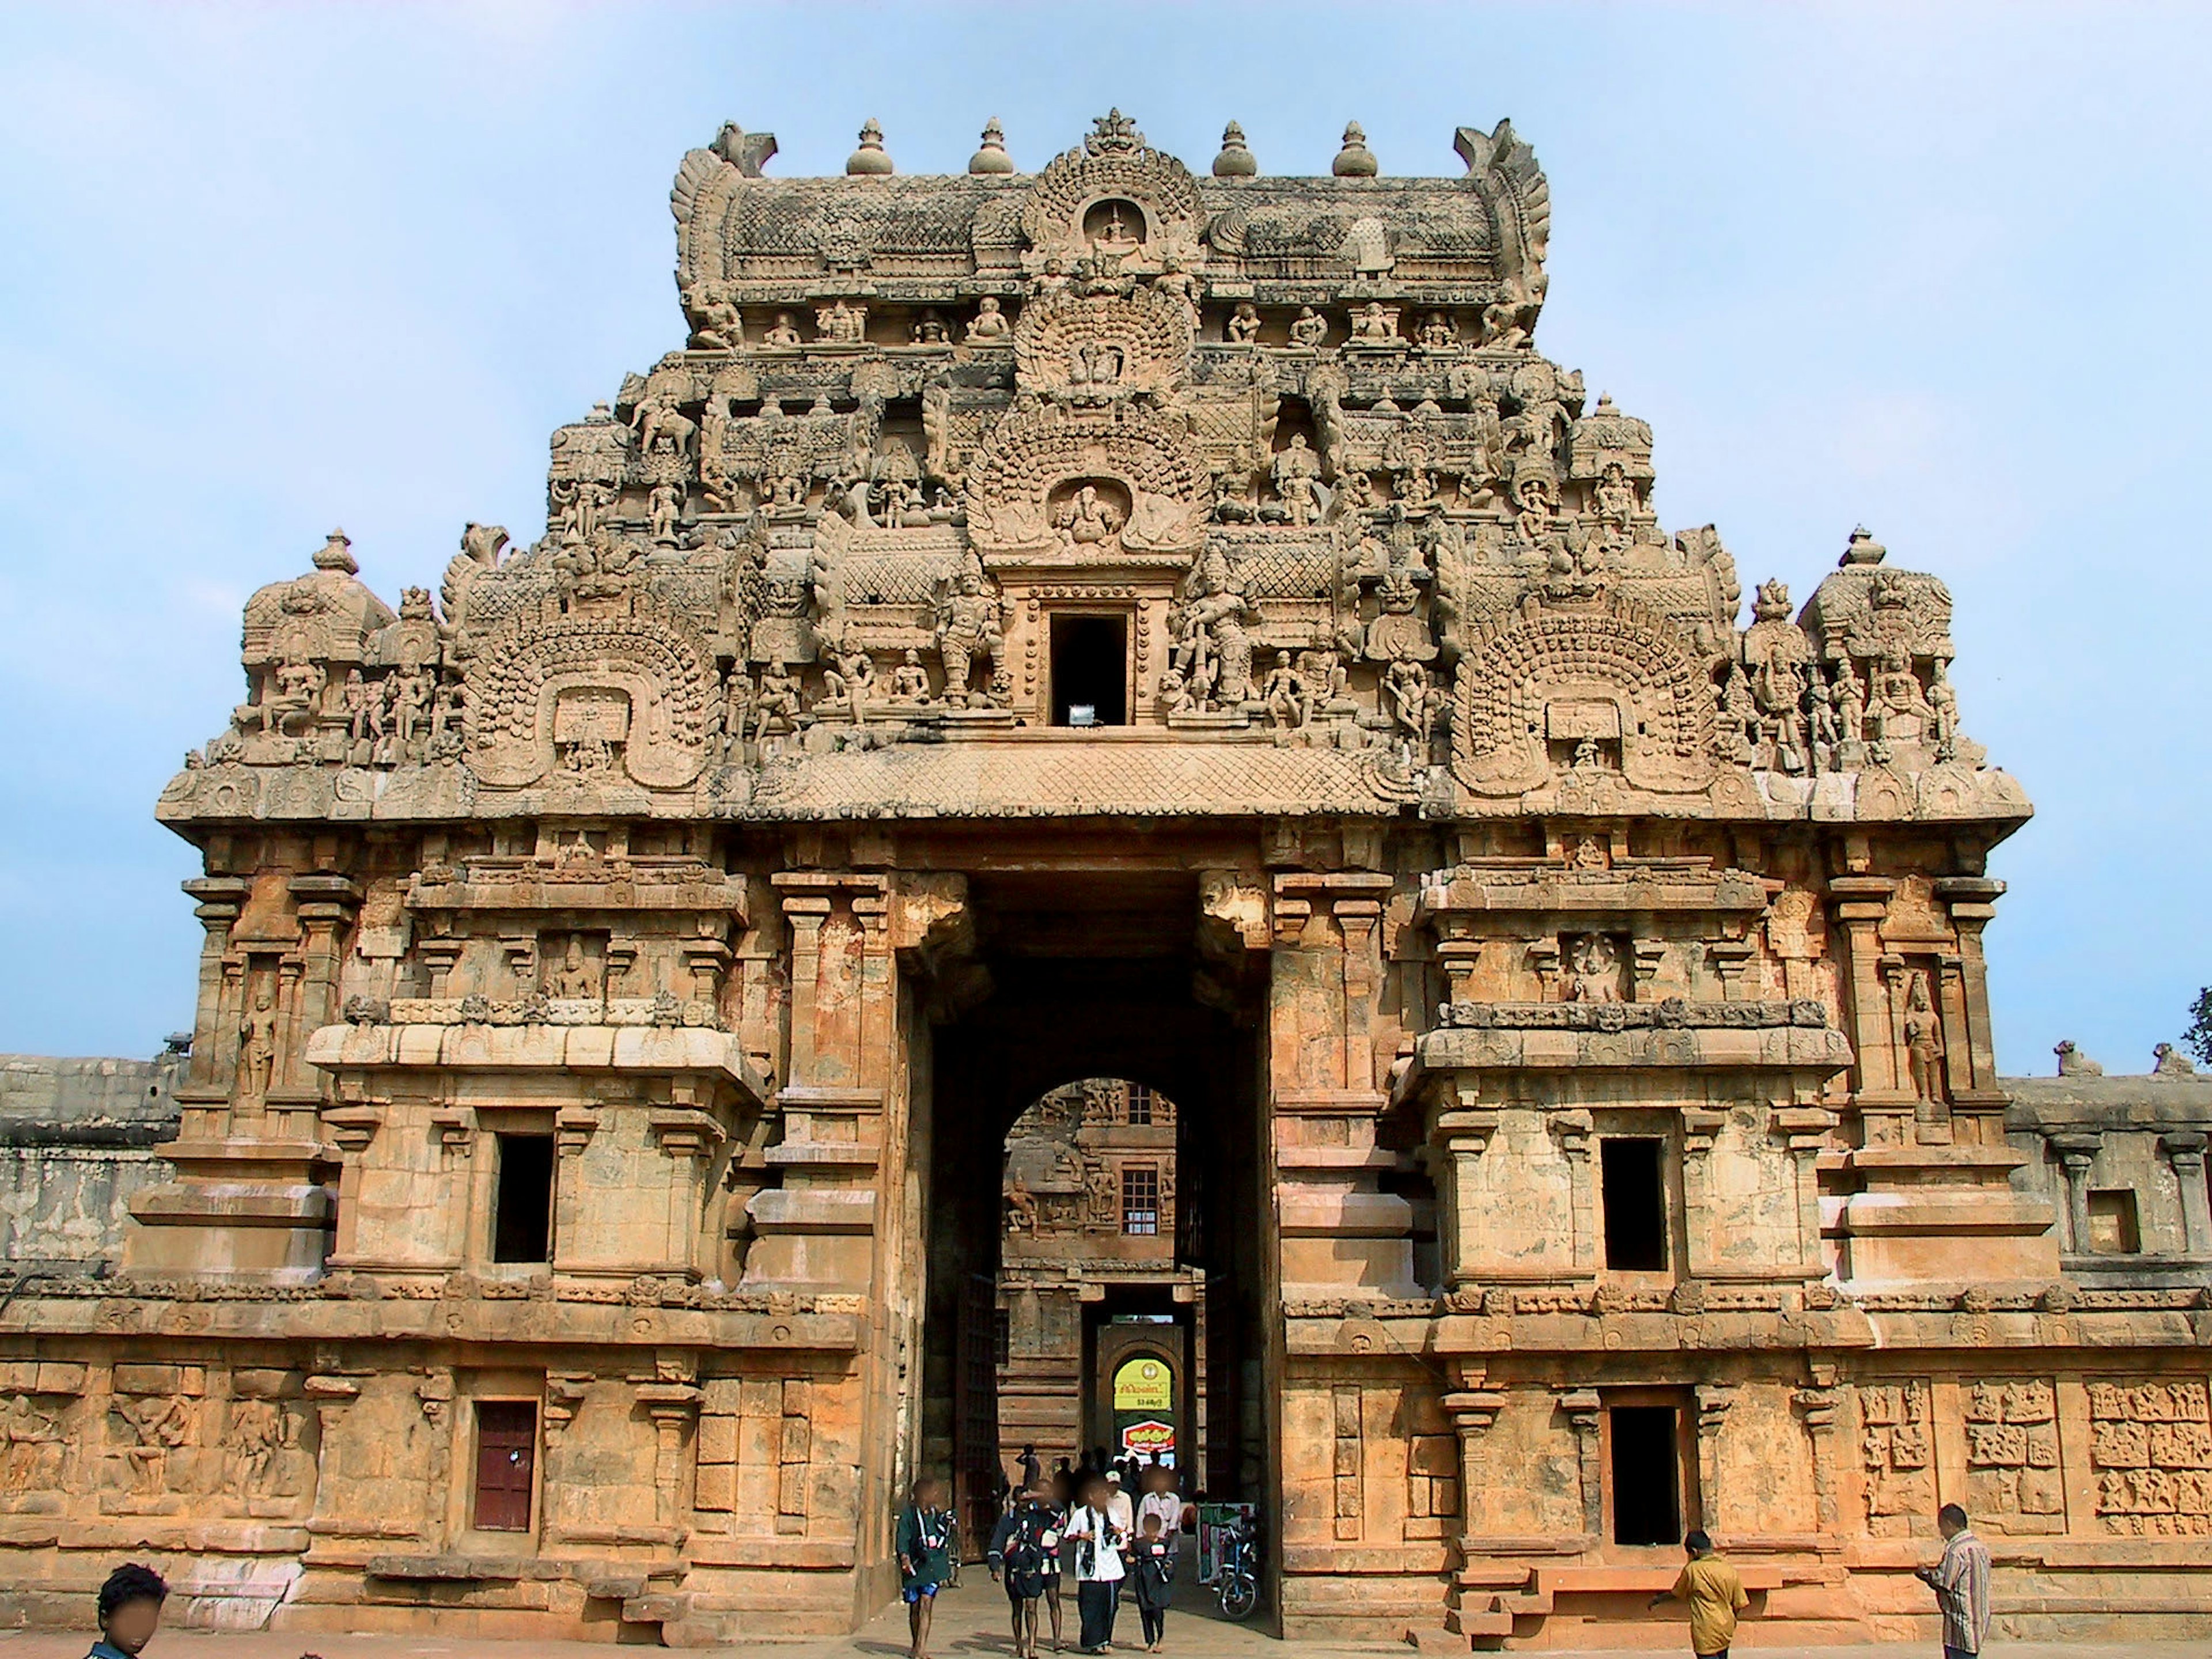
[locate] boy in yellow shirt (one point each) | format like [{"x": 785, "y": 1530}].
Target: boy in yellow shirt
[{"x": 1715, "y": 1593}]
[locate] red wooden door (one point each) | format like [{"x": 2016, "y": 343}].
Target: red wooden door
[{"x": 506, "y": 1458}]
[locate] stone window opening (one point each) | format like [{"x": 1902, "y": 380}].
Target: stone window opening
[
  {"x": 2114, "y": 1227},
  {"x": 1140, "y": 1104},
  {"x": 506, "y": 1464},
  {"x": 522, "y": 1202},
  {"x": 1140, "y": 1199},
  {"x": 1645, "y": 1471},
  {"x": 1632, "y": 1197},
  {"x": 1090, "y": 671}
]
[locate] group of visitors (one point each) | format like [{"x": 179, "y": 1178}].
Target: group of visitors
[{"x": 1084, "y": 1522}]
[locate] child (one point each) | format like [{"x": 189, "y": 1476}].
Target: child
[
  {"x": 1026, "y": 1548},
  {"x": 129, "y": 1612},
  {"x": 1154, "y": 1565},
  {"x": 1099, "y": 1568},
  {"x": 925, "y": 1558}
]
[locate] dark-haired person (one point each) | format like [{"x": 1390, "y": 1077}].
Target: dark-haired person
[
  {"x": 925, "y": 1558},
  {"x": 1715, "y": 1593},
  {"x": 129, "y": 1612},
  {"x": 1961, "y": 1582}
]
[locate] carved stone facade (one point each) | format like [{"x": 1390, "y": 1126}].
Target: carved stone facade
[{"x": 1119, "y": 622}]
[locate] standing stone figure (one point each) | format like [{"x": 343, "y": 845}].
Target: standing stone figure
[{"x": 968, "y": 626}]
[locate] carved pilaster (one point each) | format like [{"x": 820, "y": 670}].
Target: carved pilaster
[
  {"x": 1817, "y": 1406},
  {"x": 1585, "y": 1415},
  {"x": 2185, "y": 1150},
  {"x": 1714, "y": 1400}
]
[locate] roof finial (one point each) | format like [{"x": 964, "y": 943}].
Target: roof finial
[
  {"x": 1235, "y": 162},
  {"x": 336, "y": 554},
  {"x": 871, "y": 158},
  {"x": 992, "y": 157},
  {"x": 1355, "y": 160},
  {"x": 1862, "y": 548}
]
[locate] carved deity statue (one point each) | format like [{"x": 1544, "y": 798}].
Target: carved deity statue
[
  {"x": 1309, "y": 329},
  {"x": 1296, "y": 474},
  {"x": 1373, "y": 323},
  {"x": 1593, "y": 968},
  {"x": 1284, "y": 693},
  {"x": 1242, "y": 327},
  {"x": 970, "y": 626},
  {"x": 783, "y": 334},
  {"x": 1923, "y": 1042},
  {"x": 256, "y": 1045},
  {"x": 1021, "y": 1208},
  {"x": 574, "y": 979},
  {"x": 1087, "y": 520},
  {"x": 989, "y": 325},
  {"x": 910, "y": 680},
  {"x": 929, "y": 329},
  {"x": 1211, "y": 641},
  {"x": 1407, "y": 692},
  {"x": 1436, "y": 333},
  {"x": 852, "y": 681}
]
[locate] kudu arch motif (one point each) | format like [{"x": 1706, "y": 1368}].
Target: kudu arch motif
[{"x": 675, "y": 852}]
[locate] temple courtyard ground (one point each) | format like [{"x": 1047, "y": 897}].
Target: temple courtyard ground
[{"x": 971, "y": 1620}]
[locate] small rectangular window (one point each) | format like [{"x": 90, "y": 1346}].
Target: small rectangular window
[
  {"x": 1090, "y": 671},
  {"x": 522, "y": 1205},
  {"x": 507, "y": 1460},
  {"x": 1633, "y": 1197},
  {"x": 1140, "y": 1103},
  {"x": 1140, "y": 1199},
  {"x": 1646, "y": 1476},
  {"x": 2113, "y": 1229}
]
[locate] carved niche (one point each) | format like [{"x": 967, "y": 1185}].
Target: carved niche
[
  {"x": 1609, "y": 683},
  {"x": 1114, "y": 194}
]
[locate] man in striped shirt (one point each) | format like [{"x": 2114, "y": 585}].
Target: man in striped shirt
[{"x": 1961, "y": 1582}]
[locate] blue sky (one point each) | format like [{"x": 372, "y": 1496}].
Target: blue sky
[{"x": 265, "y": 269}]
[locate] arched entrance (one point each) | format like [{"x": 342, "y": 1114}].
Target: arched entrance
[{"x": 1100, "y": 1007}]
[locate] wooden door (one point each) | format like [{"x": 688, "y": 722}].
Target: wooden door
[{"x": 507, "y": 1460}]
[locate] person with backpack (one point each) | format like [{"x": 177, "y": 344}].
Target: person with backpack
[
  {"x": 1098, "y": 1566},
  {"x": 925, "y": 1558},
  {"x": 1153, "y": 1567},
  {"x": 1026, "y": 1554}
]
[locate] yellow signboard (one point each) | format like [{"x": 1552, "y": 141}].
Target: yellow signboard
[{"x": 1143, "y": 1385}]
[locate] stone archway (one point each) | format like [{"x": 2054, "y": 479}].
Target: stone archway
[{"x": 1102, "y": 990}]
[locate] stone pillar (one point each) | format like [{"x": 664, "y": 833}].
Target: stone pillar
[
  {"x": 2076, "y": 1153},
  {"x": 1458, "y": 1136},
  {"x": 2185, "y": 1150}
]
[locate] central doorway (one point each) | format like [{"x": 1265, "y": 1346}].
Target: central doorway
[
  {"x": 1099, "y": 1011},
  {"x": 1101, "y": 1297},
  {"x": 1090, "y": 670}
]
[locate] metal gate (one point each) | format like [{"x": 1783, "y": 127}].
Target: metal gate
[{"x": 976, "y": 1475}]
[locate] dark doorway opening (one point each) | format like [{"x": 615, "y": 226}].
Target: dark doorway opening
[
  {"x": 1090, "y": 671},
  {"x": 522, "y": 1205},
  {"x": 507, "y": 1459},
  {"x": 1633, "y": 1193},
  {"x": 1647, "y": 1506}
]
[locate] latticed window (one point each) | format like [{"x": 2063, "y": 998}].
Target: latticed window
[
  {"x": 1140, "y": 1198},
  {"x": 1140, "y": 1103}
]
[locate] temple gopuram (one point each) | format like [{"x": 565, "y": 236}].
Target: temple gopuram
[{"x": 1106, "y": 623}]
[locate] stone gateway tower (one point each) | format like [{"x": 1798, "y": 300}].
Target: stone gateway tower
[{"x": 1104, "y": 622}]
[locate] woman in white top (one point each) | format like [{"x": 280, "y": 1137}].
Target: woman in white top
[{"x": 1098, "y": 1566}]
